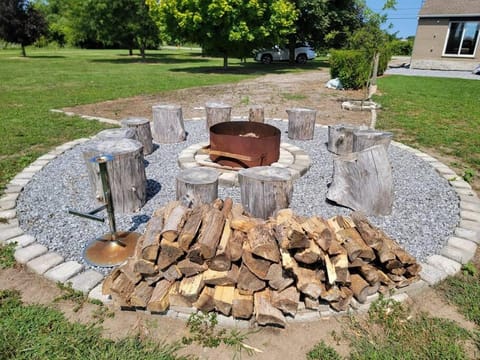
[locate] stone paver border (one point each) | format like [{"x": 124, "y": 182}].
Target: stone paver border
[{"x": 459, "y": 250}]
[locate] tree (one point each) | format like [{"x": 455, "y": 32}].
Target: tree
[
  {"x": 225, "y": 27},
  {"x": 21, "y": 23}
]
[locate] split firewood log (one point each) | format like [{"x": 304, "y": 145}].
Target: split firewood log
[
  {"x": 312, "y": 304},
  {"x": 191, "y": 287},
  {"x": 354, "y": 244},
  {"x": 235, "y": 245},
  {"x": 145, "y": 267},
  {"x": 228, "y": 277},
  {"x": 211, "y": 230},
  {"x": 361, "y": 288},
  {"x": 222, "y": 261},
  {"x": 340, "y": 263},
  {"x": 177, "y": 299},
  {"x": 255, "y": 264},
  {"x": 141, "y": 295},
  {"x": 159, "y": 301},
  {"x": 172, "y": 273},
  {"x": 174, "y": 220},
  {"x": 205, "y": 302},
  {"x": 265, "y": 312},
  {"x": 310, "y": 255},
  {"x": 191, "y": 227},
  {"x": 286, "y": 300},
  {"x": 108, "y": 281},
  {"x": 317, "y": 230},
  {"x": 189, "y": 268},
  {"x": 277, "y": 279},
  {"x": 123, "y": 287},
  {"x": 247, "y": 282},
  {"x": 310, "y": 282},
  {"x": 344, "y": 302},
  {"x": 151, "y": 237},
  {"x": 242, "y": 305},
  {"x": 262, "y": 243},
  {"x": 128, "y": 268},
  {"x": 223, "y": 298},
  {"x": 170, "y": 252}
]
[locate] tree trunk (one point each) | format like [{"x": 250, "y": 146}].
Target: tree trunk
[
  {"x": 225, "y": 61},
  {"x": 24, "y": 53}
]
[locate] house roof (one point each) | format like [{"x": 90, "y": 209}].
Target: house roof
[{"x": 443, "y": 8}]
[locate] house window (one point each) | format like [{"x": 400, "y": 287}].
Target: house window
[{"x": 462, "y": 38}]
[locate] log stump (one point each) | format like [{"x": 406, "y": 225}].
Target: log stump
[
  {"x": 168, "y": 127},
  {"x": 345, "y": 139},
  {"x": 143, "y": 132},
  {"x": 197, "y": 185},
  {"x": 265, "y": 189},
  {"x": 217, "y": 113},
  {"x": 256, "y": 114},
  {"x": 364, "y": 139},
  {"x": 301, "y": 123},
  {"x": 126, "y": 173},
  {"x": 116, "y": 134},
  {"x": 363, "y": 181}
]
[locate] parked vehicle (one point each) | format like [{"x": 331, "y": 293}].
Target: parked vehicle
[{"x": 303, "y": 53}]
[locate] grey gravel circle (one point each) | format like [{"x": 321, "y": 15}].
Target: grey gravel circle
[{"x": 425, "y": 211}]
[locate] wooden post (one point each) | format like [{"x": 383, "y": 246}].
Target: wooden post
[
  {"x": 217, "y": 113},
  {"x": 265, "y": 189},
  {"x": 168, "y": 125},
  {"x": 199, "y": 185},
  {"x": 301, "y": 123},
  {"x": 143, "y": 132},
  {"x": 116, "y": 134},
  {"x": 126, "y": 172},
  {"x": 256, "y": 114}
]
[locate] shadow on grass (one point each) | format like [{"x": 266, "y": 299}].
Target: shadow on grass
[
  {"x": 154, "y": 59},
  {"x": 46, "y": 56}
]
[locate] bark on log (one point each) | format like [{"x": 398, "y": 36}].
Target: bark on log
[
  {"x": 217, "y": 113},
  {"x": 265, "y": 189},
  {"x": 167, "y": 125},
  {"x": 126, "y": 173},
  {"x": 221, "y": 261},
  {"x": 191, "y": 227},
  {"x": 198, "y": 185},
  {"x": 263, "y": 244},
  {"x": 277, "y": 279},
  {"x": 151, "y": 237},
  {"x": 286, "y": 300},
  {"x": 189, "y": 268},
  {"x": 363, "y": 181},
  {"x": 169, "y": 253},
  {"x": 255, "y": 264},
  {"x": 211, "y": 230},
  {"x": 205, "y": 302},
  {"x": 265, "y": 312},
  {"x": 213, "y": 277},
  {"x": 301, "y": 123},
  {"x": 143, "y": 132},
  {"x": 242, "y": 305},
  {"x": 159, "y": 301},
  {"x": 340, "y": 139},
  {"x": 141, "y": 295},
  {"x": 223, "y": 298},
  {"x": 247, "y": 282},
  {"x": 235, "y": 245},
  {"x": 354, "y": 244},
  {"x": 256, "y": 113},
  {"x": 174, "y": 223},
  {"x": 364, "y": 139}
]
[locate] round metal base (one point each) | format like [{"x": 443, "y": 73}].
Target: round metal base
[{"x": 107, "y": 251}]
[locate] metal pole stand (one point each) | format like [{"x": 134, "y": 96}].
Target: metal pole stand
[{"x": 114, "y": 247}]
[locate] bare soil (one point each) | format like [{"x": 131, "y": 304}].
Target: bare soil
[{"x": 276, "y": 93}]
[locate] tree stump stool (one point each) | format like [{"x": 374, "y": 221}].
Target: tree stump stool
[
  {"x": 143, "y": 132},
  {"x": 198, "y": 185},
  {"x": 168, "y": 127},
  {"x": 345, "y": 139},
  {"x": 256, "y": 114},
  {"x": 116, "y": 134},
  {"x": 301, "y": 123},
  {"x": 126, "y": 173},
  {"x": 217, "y": 113},
  {"x": 265, "y": 189}
]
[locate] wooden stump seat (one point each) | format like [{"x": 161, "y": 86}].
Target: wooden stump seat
[
  {"x": 126, "y": 173},
  {"x": 143, "y": 132},
  {"x": 256, "y": 113},
  {"x": 199, "y": 185},
  {"x": 265, "y": 189},
  {"x": 116, "y": 134},
  {"x": 217, "y": 113},
  {"x": 301, "y": 123},
  {"x": 168, "y": 127}
]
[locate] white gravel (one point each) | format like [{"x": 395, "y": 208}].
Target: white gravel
[{"x": 425, "y": 212}]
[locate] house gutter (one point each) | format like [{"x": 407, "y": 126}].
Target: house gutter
[{"x": 449, "y": 15}]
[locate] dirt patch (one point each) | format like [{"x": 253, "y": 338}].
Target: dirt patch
[{"x": 274, "y": 92}]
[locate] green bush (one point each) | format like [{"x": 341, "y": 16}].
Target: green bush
[
  {"x": 402, "y": 47},
  {"x": 385, "y": 57},
  {"x": 352, "y": 67}
]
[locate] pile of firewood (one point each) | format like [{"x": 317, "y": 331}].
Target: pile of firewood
[{"x": 215, "y": 257}]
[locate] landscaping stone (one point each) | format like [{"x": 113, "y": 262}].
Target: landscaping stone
[
  {"x": 22, "y": 241},
  {"x": 459, "y": 255},
  {"x": 469, "y": 224},
  {"x": 10, "y": 232},
  {"x": 8, "y": 214},
  {"x": 64, "y": 271},
  {"x": 470, "y": 215},
  {"x": 7, "y": 204},
  {"x": 45, "y": 262},
  {"x": 468, "y": 234},
  {"x": 463, "y": 244},
  {"x": 86, "y": 281},
  {"x": 96, "y": 294},
  {"x": 449, "y": 266},
  {"x": 432, "y": 275},
  {"x": 30, "y": 252},
  {"x": 470, "y": 206}
]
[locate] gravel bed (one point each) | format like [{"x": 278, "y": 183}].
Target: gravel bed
[{"x": 425, "y": 212}]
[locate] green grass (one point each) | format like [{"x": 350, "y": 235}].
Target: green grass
[
  {"x": 7, "y": 259},
  {"x": 439, "y": 114},
  {"x": 39, "y": 332},
  {"x": 46, "y": 79}
]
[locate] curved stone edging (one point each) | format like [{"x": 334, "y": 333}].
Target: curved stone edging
[{"x": 460, "y": 248}]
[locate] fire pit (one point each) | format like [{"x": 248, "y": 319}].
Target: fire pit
[{"x": 244, "y": 144}]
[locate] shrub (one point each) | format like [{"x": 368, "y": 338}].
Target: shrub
[{"x": 352, "y": 67}]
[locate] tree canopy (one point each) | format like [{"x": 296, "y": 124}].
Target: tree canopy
[{"x": 21, "y": 23}]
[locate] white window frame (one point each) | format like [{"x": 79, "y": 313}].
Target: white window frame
[{"x": 461, "y": 41}]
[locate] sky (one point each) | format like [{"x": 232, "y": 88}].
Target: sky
[{"x": 403, "y": 19}]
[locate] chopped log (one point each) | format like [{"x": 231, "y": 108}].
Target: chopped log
[
  {"x": 256, "y": 113},
  {"x": 317, "y": 229},
  {"x": 194, "y": 254},
  {"x": 199, "y": 185},
  {"x": 338, "y": 223},
  {"x": 286, "y": 300},
  {"x": 332, "y": 294},
  {"x": 265, "y": 312},
  {"x": 361, "y": 288},
  {"x": 141, "y": 295},
  {"x": 173, "y": 223},
  {"x": 402, "y": 255},
  {"x": 288, "y": 262},
  {"x": 309, "y": 282},
  {"x": 243, "y": 223},
  {"x": 336, "y": 249},
  {"x": 123, "y": 286},
  {"x": 364, "y": 139},
  {"x": 217, "y": 204},
  {"x": 310, "y": 255},
  {"x": 153, "y": 279},
  {"x": 340, "y": 262},
  {"x": 398, "y": 271},
  {"x": 221, "y": 261},
  {"x": 191, "y": 287},
  {"x": 128, "y": 269},
  {"x": 167, "y": 124},
  {"x": 151, "y": 237},
  {"x": 354, "y": 244},
  {"x": 277, "y": 279},
  {"x": 344, "y": 302},
  {"x": 265, "y": 189},
  {"x": 223, "y": 298},
  {"x": 385, "y": 253},
  {"x": 340, "y": 139},
  {"x": 368, "y": 232},
  {"x": 370, "y": 273},
  {"x": 159, "y": 301},
  {"x": 170, "y": 252},
  {"x": 235, "y": 245},
  {"x": 108, "y": 281},
  {"x": 384, "y": 279},
  {"x": 242, "y": 305},
  {"x": 331, "y": 271},
  {"x": 205, "y": 302},
  {"x": 191, "y": 227},
  {"x": 211, "y": 230},
  {"x": 128, "y": 181},
  {"x": 301, "y": 123},
  {"x": 247, "y": 282},
  {"x": 145, "y": 267},
  {"x": 177, "y": 299},
  {"x": 363, "y": 181},
  {"x": 228, "y": 277},
  {"x": 217, "y": 113},
  {"x": 143, "y": 132},
  {"x": 172, "y": 273},
  {"x": 263, "y": 244},
  {"x": 312, "y": 304},
  {"x": 413, "y": 269},
  {"x": 189, "y": 268},
  {"x": 255, "y": 264},
  {"x": 227, "y": 208},
  {"x": 393, "y": 264}
]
